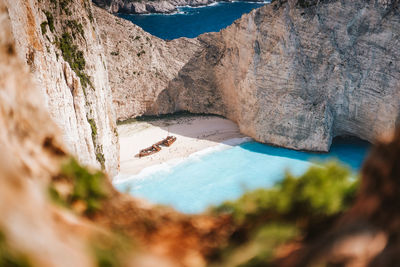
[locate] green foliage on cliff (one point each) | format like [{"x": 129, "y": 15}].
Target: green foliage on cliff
[
  {"x": 101, "y": 159},
  {"x": 142, "y": 52},
  {"x": 297, "y": 206},
  {"x": 88, "y": 10},
  {"x": 74, "y": 57},
  {"x": 43, "y": 27},
  {"x": 99, "y": 149},
  {"x": 76, "y": 28},
  {"x": 71, "y": 53},
  {"x": 50, "y": 20},
  {"x": 64, "y": 4},
  {"x": 9, "y": 257},
  {"x": 93, "y": 127},
  {"x": 81, "y": 187}
]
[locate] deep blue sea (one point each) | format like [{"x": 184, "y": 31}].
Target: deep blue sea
[
  {"x": 191, "y": 22},
  {"x": 199, "y": 182}
]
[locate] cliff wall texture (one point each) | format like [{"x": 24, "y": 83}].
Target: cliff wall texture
[
  {"x": 295, "y": 73},
  {"x": 140, "y": 65},
  {"x": 59, "y": 42},
  {"x": 31, "y": 152}
]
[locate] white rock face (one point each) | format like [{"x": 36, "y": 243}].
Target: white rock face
[
  {"x": 81, "y": 108},
  {"x": 140, "y": 65},
  {"x": 293, "y": 73},
  {"x": 297, "y": 77}
]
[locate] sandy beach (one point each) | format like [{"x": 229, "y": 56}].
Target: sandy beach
[{"x": 194, "y": 133}]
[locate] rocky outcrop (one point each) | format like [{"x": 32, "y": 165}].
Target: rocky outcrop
[
  {"x": 140, "y": 65},
  {"x": 292, "y": 73},
  {"x": 146, "y": 7},
  {"x": 298, "y": 74},
  {"x": 31, "y": 151},
  {"x": 59, "y": 42}
]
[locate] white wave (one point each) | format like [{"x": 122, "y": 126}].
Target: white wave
[
  {"x": 212, "y": 4},
  {"x": 169, "y": 165}
]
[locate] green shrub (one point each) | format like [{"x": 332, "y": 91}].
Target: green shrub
[
  {"x": 75, "y": 28},
  {"x": 141, "y": 53},
  {"x": 50, "y": 20},
  {"x": 295, "y": 208},
  {"x": 321, "y": 191},
  {"x": 110, "y": 251},
  {"x": 88, "y": 187},
  {"x": 43, "y": 27},
  {"x": 260, "y": 248},
  {"x": 101, "y": 159},
  {"x": 74, "y": 57},
  {"x": 64, "y": 6},
  {"x": 93, "y": 127}
]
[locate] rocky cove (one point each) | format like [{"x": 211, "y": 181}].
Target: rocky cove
[
  {"x": 292, "y": 73},
  {"x": 157, "y": 6},
  {"x": 288, "y": 75},
  {"x": 268, "y": 72}
]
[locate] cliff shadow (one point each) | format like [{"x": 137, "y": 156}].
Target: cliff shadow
[{"x": 188, "y": 104}]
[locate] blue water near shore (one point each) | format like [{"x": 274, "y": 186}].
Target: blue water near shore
[
  {"x": 192, "y": 21},
  {"x": 197, "y": 183}
]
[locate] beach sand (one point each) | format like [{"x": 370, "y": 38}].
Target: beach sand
[{"x": 194, "y": 133}]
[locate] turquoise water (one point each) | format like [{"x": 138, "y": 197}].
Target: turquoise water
[
  {"x": 191, "y": 22},
  {"x": 197, "y": 183}
]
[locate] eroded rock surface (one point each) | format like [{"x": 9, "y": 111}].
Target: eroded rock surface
[
  {"x": 297, "y": 75},
  {"x": 292, "y": 73},
  {"x": 140, "y": 65},
  {"x": 62, "y": 48}
]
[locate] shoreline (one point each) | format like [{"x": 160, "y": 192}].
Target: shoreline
[
  {"x": 210, "y": 4},
  {"x": 122, "y": 178},
  {"x": 153, "y": 8},
  {"x": 196, "y": 135}
]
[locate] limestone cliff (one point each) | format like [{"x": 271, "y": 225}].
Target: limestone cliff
[
  {"x": 292, "y": 73},
  {"x": 59, "y": 42},
  {"x": 31, "y": 151},
  {"x": 140, "y": 65},
  {"x": 297, "y": 74}
]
